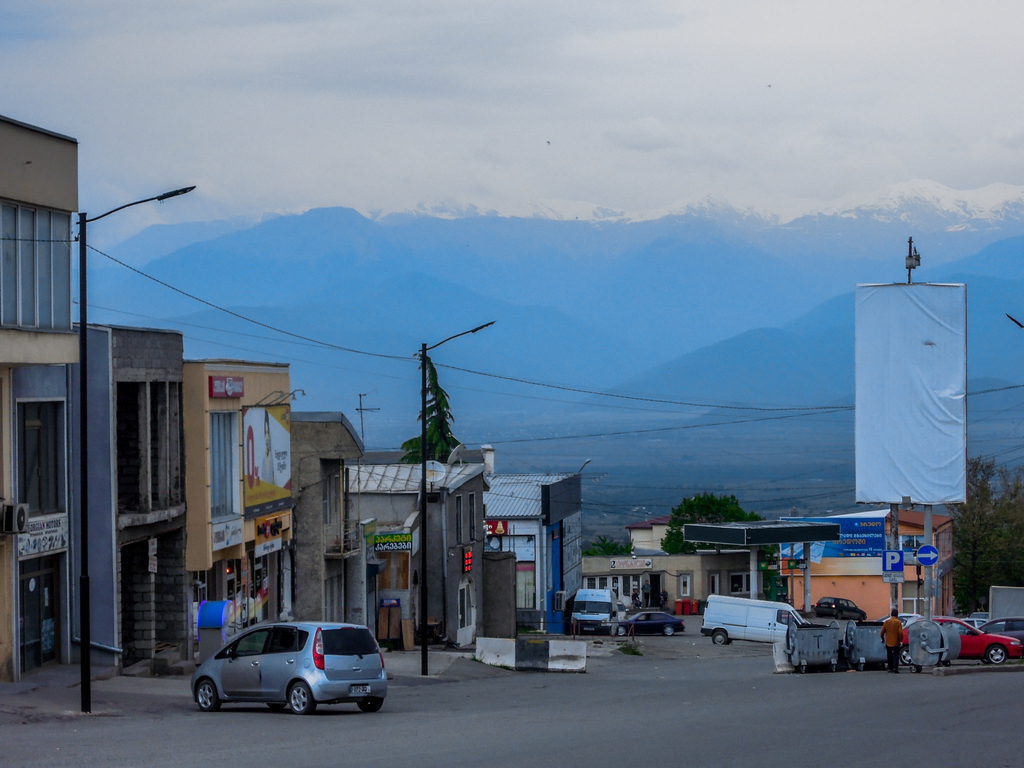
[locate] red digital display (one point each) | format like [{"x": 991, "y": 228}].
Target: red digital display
[{"x": 467, "y": 561}]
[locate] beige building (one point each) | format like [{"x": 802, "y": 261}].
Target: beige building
[
  {"x": 38, "y": 195},
  {"x": 238, "y": 489}
]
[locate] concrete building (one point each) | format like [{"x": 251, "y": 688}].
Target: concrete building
[
  {"x": 646, "y": 536},
  {"x": 238, "y": 487},
  {"x": 386, "y": 498},
  {"x": 329, "y": 543},
  {"x": 540, "y": 518},
  {"x": 38, "y": 194},
  {"x": 137, "y": 493}
]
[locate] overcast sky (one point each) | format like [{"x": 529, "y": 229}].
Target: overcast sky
[{"x": 633, "y": 106}]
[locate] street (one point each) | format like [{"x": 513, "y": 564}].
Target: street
[{"x": 683, "y": 702}]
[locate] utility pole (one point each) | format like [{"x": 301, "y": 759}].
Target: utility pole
[
  {"x": 894, "y": 543},
  {"x": 362, "y": 433},
  {"x": 913, "y": 258},
  {"x": 929, "y": 584}
]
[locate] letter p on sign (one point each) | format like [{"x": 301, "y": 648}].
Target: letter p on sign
[{"x": 892, "y": 560}]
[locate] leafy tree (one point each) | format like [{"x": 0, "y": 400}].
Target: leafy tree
[
  {"x": 705, "y": 508},
  {"x": 609, "y": 547},
  {"x": 440, "y": 440}
]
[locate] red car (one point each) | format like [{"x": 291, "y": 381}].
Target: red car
[{"x": 991, "y": 649}]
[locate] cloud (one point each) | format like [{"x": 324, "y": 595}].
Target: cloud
[{"x": 645, "y": 135}]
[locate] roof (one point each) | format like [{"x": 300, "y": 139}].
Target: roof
[
  {"x": 663, "y": 520},
  {"x": 912, "y": 517},
  {"x": 405, "y": 478},
  {"x": 37, "y": 129},
  {"x": 517, "y": 495},
  {"x": 761, "y": 532}
]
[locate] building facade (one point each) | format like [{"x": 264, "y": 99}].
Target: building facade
[
  {"x": 38, "y": 194},
  {"x": 238, "y": 488},
  {"x": 329, "y": 544}
]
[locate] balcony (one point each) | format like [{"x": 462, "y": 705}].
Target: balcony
[{"x": 341, "y": 540}]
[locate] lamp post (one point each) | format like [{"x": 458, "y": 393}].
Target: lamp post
[
  {"x": 424, "y": 664},
  {"x": 84, "y": 613}
]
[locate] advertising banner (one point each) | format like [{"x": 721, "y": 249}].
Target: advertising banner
[
  {"x": 911, "y": 379},
  {"x": 227, "y": 533},
  {"x": 48, "y": 533},
  {"x": 393, "y": 541},
  {"x": 859, "y": 536},
  {"x": 268, "y": 459}
]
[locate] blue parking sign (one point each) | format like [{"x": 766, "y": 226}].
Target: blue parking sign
[{"x": 892, "y": 560}]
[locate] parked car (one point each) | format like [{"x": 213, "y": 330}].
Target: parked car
[
  {"x": 651, "y": 623},
  {"x": 593, "y": 610},
  {"x": 1007, "y": 627},
  {"x": 981, "y": 616},
  {"x": 905, "y": 618},
  {"x": 728, "y": 618},
  {"x": 839, "y": 608},
  {"x": 974, "y": 644},
  {"x": 295, "y": 665}
]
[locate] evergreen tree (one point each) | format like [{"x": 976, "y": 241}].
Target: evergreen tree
[{"x": 440, "y": 440}]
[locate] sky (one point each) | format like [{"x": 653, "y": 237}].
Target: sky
[{"x": 514, "y": 108}]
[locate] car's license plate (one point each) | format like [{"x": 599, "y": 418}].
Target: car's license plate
[{"x": 356, "y": 690}]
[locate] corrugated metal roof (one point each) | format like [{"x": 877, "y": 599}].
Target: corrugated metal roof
[
  {"x": 513, "y": 496},
  {"x": 405, "y": 478}
]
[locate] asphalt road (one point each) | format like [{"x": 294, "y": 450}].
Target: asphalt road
[{"x": 683, "y": 702}]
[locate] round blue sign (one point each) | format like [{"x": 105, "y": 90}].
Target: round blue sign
[{"x": 927, "y": 555}]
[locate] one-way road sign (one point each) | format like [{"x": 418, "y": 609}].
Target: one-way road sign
[{"x": 927, "y": 555}]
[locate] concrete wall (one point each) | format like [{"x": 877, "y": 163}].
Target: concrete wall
[
  {"x": 38, "y": 167},
  {"x": 499, "y": 594}
]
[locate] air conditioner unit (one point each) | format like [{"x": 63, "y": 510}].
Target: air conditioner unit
[
  {"x": 559, "y": 601},
  {"x": 14, "y": 518}
]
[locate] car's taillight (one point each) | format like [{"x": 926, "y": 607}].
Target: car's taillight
[
  {"x": 318, "y": 649},
  {"x": 381, "y": 654}
]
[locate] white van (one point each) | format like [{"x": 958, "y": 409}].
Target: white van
[
  {"x": 739, "y": 618},
  {"x": 594, "y": 610}
]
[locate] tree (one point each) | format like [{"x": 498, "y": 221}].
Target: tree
[
  {"x": 440, "y": 440},
  {"x": 705, "y": 508},
  {"x": 603, "y": 546}
]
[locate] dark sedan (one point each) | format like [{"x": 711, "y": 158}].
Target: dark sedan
[
  {"x": 651, "y": 623},
  {"x": 1007, "y": 627},
  {"x": 840, "y": 608}
]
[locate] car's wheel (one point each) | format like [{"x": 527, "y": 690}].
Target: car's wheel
[
  {"x": 206, "y": 695},
  {"x": 802, "y": 669},
  {"x": 839, "y": 615},
  {"x": 720, "y": 637},
  {"x": 860, "y": 666},
  {"x": 621, "y": 629},
  {"x": 917, "y": 669},
  {"x": 669, "y": 630},
  {"x": 905, "y": 658},
  {"x": 277, "y": 706},
  {"x": 995, "y": 654},
  {"x": 300, "y": 699},
  {"x": 370, "y": 705}
]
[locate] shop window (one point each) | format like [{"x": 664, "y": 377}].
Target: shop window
[
  {"x": 739, "y": 583},
  {"x": 684, "y": 585},
  {"x": 224, "y": 475},
  {"x": 458, "y": 519},
  {"x": 41, "y": 457}
]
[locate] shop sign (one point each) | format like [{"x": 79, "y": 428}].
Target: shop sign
[
  {"x": 227, "y": 386},
  {"x": 227, "y": 534},
  {"x": 45, "y": 534},
  {"x": 369, "y": 531},
  {"x": 496, "y": 527},
  {"x": 393, "y": 541},
  {"x": 267, "y": 440},
  {"x": 268, "y": 535},
  {"x": 631, "y": 564},
  {"x": 390, "y": 602}
]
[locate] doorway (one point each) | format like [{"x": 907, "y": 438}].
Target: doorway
[
  {"x": 39, "y": 615},
  {"x": 655, "y": 590}
]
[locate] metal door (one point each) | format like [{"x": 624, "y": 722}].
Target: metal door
[
  {"x": 240, "y": 672},
  {"x": 38, "y": 618}
]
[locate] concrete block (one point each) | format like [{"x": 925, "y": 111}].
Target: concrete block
[
  {"x": 496, "y": 651},
  {"x": 782, "y": 663},
  {"x": 567, "y": 656}
]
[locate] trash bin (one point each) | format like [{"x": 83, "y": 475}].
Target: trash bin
[
  {"x": 864, "y": 644},
  {"x": 813, "y": 645},
  {"x": 682, "y": 607},
  {"x": 693, "y": 607},
  {"x": 213, "y": 624}
]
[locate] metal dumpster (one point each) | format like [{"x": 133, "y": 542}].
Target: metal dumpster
[
  {"x": 813, "y": 645},
  {"x": 863, "y": 644},
  {"x": 931, "y": 644}
]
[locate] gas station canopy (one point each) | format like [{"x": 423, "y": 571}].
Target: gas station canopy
[{"x": 760, "y": 532}]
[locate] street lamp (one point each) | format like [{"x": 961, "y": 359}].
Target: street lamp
[
  {"x": 424, "y": 668},
  {"x": 85, "y": 630}
]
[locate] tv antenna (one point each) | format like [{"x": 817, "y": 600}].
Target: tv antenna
[{"x": 362, "y": 432}]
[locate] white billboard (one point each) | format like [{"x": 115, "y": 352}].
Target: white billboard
[{"x": 911, "y": 373}]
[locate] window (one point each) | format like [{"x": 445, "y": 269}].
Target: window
[
  {"x": 782, "y": 617},
  {"x": 591, "y": 582},
  {"x": 35, "y": 268},
  {"x": 996, "y": 628},
  {"x": 603, "y": 581},
  {"x": 282, "y": 640},
  {"x": 252, "y": 644},
  {"x": 472, "y": 517},
  {"x": 739, "y": 583},
  {"x": 458, "y": 519},
  {"x": 615, "y": 586},
  {"x": 526, "y": 586},
  {"x": 911, "y": 542},
  {"x": 684, "y": 584},
  {"x": 713, "y": 584},
  {"x": 330, "y": 484},
  {"x": 224, "y": 477},
  {"x": 41, "y": 457},
  {"x": 348, "y": 641},
  {"x": 465, "y": 606}
]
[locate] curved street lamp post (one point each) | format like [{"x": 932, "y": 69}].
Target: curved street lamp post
[{"x": 85, "y": 630}]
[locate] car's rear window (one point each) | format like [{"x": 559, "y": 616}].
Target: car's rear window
[{"x": 348, "y": 641}]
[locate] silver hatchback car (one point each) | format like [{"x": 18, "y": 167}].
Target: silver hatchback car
[{"x": 295, "y": 665}]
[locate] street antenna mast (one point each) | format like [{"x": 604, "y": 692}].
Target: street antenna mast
[{"x": 362, "y": 432}]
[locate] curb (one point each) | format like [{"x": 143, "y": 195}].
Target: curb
[{"x": 975, "y": 669}]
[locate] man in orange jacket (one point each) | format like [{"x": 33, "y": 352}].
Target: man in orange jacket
[{"x": 892, "y": 633}]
